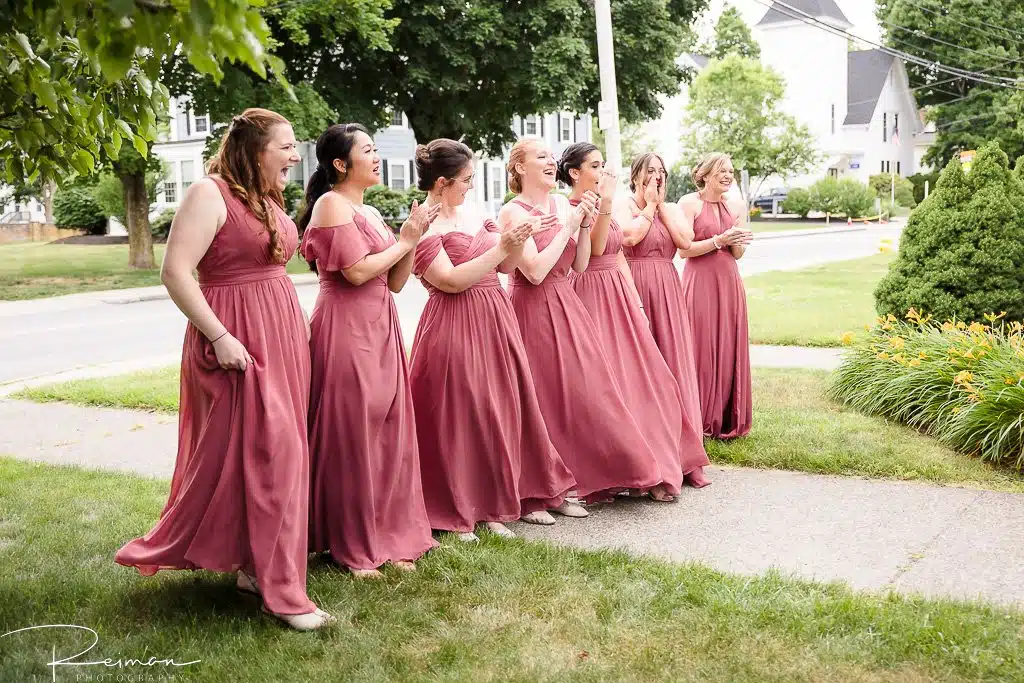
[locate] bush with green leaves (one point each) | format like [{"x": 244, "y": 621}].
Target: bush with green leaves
[
  {"x": 392, "y": 204},
  {"x": 963, "y": 384},
  {"x": 961, "y": 254},
  {"x": 798, "y": 201},
  {"x": 826, "y": 195},
  {"x": 855, "y": 198},
  {"x": 74, "y": 207},
  {"x": 918, "y": 181},
  {"x": 881, "y": 184},
  {"x": 679, "y": 183},
  {"x": 160, "y": 227},
  {"x": 293, "y": 196}
]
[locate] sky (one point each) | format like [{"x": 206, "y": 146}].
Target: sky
[{"x": 861, "y": 13}]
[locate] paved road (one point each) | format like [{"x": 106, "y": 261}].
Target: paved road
[
  {"x": 43, "y": 338},
  {"x": 876, "y": 535}
]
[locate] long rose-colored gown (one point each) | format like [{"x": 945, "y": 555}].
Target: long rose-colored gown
[
  {"x": 366, "y": 501},
  {"x": 485, "y": 454},
  {"x": 657, "y": 281},
  {"x": 239, "y": 491},
  {"x": 587, "y": 417},
  {"x": 716, "y": 303},
  {"x": 640, "y": 372}
]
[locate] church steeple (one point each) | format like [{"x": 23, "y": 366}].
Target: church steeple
[{"x": 826, "y": 11}]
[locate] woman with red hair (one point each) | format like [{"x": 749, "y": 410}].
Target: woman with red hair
[{"x": 241, "y": 481}]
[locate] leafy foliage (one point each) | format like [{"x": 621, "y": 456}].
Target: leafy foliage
[
  {"x": 160, "y": 227},
  {"x": 732, "y": 37},
  {"x": 962, "y": 253},
  {"x": 962, "y": 383},
  {"x": 678, "y": 183},
  {"x": 881, "y": 185},
  {"x": 80, "y": 77},
  {"x": 798, "y": 201},
  {"x": 109, "y": 191},
  {"x": 983, "y": 37},
  {"x": 734, "y": 108},
  {"x": 74, "y": 207},
  {"x": 918, "y": 180}
]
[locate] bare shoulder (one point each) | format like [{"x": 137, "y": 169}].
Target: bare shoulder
[
  {"x": 510, "y": 212},
  {"x": 203, "y": 190},
  {"x": 690, "y": 201},
  {"x": 332, "y": 209}
]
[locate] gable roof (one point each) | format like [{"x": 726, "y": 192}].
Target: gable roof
[
  {"x": 819, "y": 9},
  {"x": 700, "y": 60},
  {"x": 866, "y": 71}
]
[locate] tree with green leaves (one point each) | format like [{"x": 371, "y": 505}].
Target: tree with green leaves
[
  {"x": 732, "y": 37},
  {"x": 982, "y": 37},
  {"x": 81, "y": 80},
  {"x": 962, "y": 252},
  {"x": 463, "y": 69},
  {"x": 734, "y": 108}
]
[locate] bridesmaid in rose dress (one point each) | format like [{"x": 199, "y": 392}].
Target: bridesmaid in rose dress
[
  {"x": 485, "y": 454},
  {"x": 653, "y": 229},
  {"x": 586, "y": 415},
  {"x": 366, "y": 502},
  {"x": 715, "y": 300},
  {"x": 239, "y": 491},
  {"x": 606, "y": 289}
]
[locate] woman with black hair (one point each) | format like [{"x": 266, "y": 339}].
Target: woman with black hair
[
  {"x": 366, "y": 501},
  {"x": 606, "y": 288}
]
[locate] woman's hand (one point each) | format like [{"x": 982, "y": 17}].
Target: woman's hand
[
  {"x": 609, "y": 183},
  {"x": 514, "y": 238},
  {"x": 586, "y": 211},
  {"x": 418, "y": 222},
  {"x": 652, "y": 194},
  {"x": 231, "y": 354}
]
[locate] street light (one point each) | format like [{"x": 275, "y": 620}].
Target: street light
[{"x": 608, "y": 109}]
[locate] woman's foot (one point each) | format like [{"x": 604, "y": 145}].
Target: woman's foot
[
  {"x": 365, "y": 573},
  {"x": 246, "y": 583},
  {"x": 696, "y": 479},
  {"x": 499, "y": 529},
  {"x": 569, "y": 509},
  {"x": 542, "y": 517},
  {"x": 659, "y": 494},
  {"x": 404, "y": 565},
  {"x": 311, "y": 621},
  {"x": 468, "y": 537}
]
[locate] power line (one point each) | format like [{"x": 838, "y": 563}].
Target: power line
[
  {"x": 793, "y": 13},
  {"x": 924, "y": 35}
]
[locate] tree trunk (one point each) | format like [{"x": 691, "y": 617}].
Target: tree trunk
[
  {"x": 48, "y": 189},
  {"x": 136, "y": 209}
]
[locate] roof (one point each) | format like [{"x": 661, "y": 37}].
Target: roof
[
  {"x": 866, "y": 71},
  {"x": 819, "y": 9},
  {"x": 700, "y": 60}
]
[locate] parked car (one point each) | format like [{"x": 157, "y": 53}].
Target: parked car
[{"x": 765, "y": 201}]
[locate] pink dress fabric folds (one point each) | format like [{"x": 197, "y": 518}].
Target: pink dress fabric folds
[
  {"x": 641, "y": 374},
  {"x": 366, "y": 500},
  {"x": 587, "y": 417},
  {"x": 717, "y": 306},
  {"x": 659, "y": 286},
  {"x": 239, "y": 491},
  {"x": 485, "y": 455}
]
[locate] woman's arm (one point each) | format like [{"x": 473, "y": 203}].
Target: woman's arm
[
  {"x": 583, "y": 246},
  {"x": 743, "y": 236},
  {"x": 635, "y": 227},
  {"x": 201, "y": 214},
  {"x": 679, "y": 224},
  {"x": 533, "y": 264},
  {"x": 454, "y": 279}
]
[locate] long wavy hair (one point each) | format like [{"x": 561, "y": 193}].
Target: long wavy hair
[{"x": 237, "y": 162}]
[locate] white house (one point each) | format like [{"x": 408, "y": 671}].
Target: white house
[
  {"x": 182, "y": 152},
  {"x": 857, "y": 103}
]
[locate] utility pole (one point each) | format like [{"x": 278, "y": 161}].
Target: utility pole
[{"x": 608, "y": 109}]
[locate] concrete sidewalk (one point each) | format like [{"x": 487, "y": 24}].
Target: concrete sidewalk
[{"x": 878, "y": 535}]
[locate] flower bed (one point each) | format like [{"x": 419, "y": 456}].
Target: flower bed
[{"x": 962, "y": 383}]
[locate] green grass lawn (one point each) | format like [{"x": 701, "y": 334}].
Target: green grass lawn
[
  {"x": 795, "y": 428},
  {"x": 500, "y": 610},
  {"x": 35, "y": 270},
  {"x": 814, "y": 306}
]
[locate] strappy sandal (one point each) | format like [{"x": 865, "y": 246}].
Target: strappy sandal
[
  {"x": 246, "y": 584},
  {"x": 310, "y": 621}
]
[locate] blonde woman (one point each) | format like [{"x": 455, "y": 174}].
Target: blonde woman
[{"x": 715, "y": 300}]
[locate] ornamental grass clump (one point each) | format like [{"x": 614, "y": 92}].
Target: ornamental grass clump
[{"x": 962, "y": 383}]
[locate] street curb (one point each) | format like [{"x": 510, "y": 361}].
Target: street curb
[
  {"x": 160, "y": 293},
  {"x": 783, "y": 234},
  {"x": 90, "y": 372}
]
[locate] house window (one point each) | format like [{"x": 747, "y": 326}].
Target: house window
[
  {"x": 187, "y": 173},
  {"x": 531, "y": 125},
  {"x": 883, "y": 168},
  {"x": 497, "y": 189},
  {"x": 895, "y": 121},
  {"x": 397, "y": 177},
  {"x": 171, "y": 185},
  {"x": 833, "y": 172},
  {"x": 202, "y": 124},
  {"x": 897, "y": 168},
  {"x": 397, "y": 120},
  {"x": 833, "y": 119},
  {"x": 885, "y": 126},
  {"x": 564, "y": 129}
]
